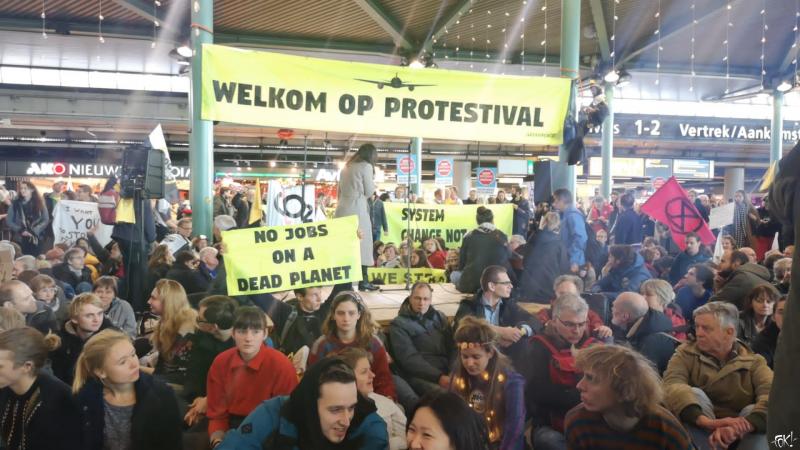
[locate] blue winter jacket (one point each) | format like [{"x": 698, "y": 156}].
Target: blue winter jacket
[
  {"x": 624, "y": 279},
  {"x": 266, "y": 420},
  {"x": 573, "y": 233}
]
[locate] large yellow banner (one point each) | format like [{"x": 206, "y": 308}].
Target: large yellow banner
[
  {"x": 270, "y": 259},
  {"x": 449, "y": 222},
  {"x": 278, "y": 90},
  {"x": 382, "y": 275}
]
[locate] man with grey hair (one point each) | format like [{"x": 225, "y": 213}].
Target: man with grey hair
[
  {"x": 23, "y": 263},
  {"x": 573, "y": 284},
  {"x": 549, "y": 368},
  {"x": 208, "y": 263},
  {"x": 783, "y": 275},
  {"x": 643, "y": 328},
  {"x": 223, "y": 223},
  {"x": 717, "y": 386}
]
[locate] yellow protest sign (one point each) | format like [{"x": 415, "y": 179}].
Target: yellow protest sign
[
  {"x": 279, "y": 90},
  {"x": 383, "y": 275},
  {"x": 449, "y": 222},
  {"x": 270, "y": 259}
]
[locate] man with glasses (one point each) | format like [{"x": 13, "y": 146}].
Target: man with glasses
[
  {"x": 643, "y": 328},
  {"x": 493, "y": 302},
  {"x": 549, "y": 368},
  {"x": 182, "y": 238}
]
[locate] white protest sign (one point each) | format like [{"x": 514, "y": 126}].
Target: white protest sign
[
  {"x": 721, "y": 216},
  {"x": 73, "y": 219},
  {"x": 286, "y": 205}
]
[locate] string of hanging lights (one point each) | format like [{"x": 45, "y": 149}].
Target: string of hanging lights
[
  {"x": 691, "y": 47},
  {"x": 43, "y": 16},
  {"x": 100, "y": 22},
  {"x": 659, "y": 48}
]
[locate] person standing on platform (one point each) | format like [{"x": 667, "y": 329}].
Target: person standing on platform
[
  {"x": 573, "y": 229},
  {"x": 27, "y": 219},
  {"x": 356, "y": 186}
]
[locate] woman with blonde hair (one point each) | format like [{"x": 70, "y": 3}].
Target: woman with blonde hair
[
  {"x": 36, "y": 409},
  {"x": 486, "y": 380},
  {"x": 436, "y": 256},
  {"x": 620, "y": 405},
  {"x": 120, "y": 406},
  {"x": 660, "y": 296},
  {"x": 349, "y": 324},
  {"x": 172, "y": 335}
]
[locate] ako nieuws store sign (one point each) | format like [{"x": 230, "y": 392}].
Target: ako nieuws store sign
[
  {"x": 271, "y": 89},
  {"x": 74, "y": 170}
]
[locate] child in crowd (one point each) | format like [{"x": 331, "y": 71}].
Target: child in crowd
[
  {"x": 360, "y": 361},
  {"x": 122, "y": 407},
  {"x": 241, "y": 378},
  {"x": 349, "y": 324},
  {"x": 117, "y": 310},
  {"x": 36, "y": 409},
  {"x": 485, "y": 379},
  {"x": 437, "y": 257},
  {"x": 45, "y": 290}
]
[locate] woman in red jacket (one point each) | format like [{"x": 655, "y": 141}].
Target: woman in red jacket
[
  {"x": 437, "y": 257},
  {"x": 349, "y": 324}
]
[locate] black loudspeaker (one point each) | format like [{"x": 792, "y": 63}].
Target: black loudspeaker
[
  {"x": 542, "y": 181},
  {"x": 142, "y": 169}
]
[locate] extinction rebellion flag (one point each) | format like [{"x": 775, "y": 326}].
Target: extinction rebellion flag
[{"x": 671, "y": 206}]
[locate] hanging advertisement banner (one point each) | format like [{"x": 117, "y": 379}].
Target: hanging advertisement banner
[
  {"x": 407, "y": 168},
  {"x": 278, "y": 90},
  {"x": 443, "y": 172},
  {"x": 486, "y": 180}
]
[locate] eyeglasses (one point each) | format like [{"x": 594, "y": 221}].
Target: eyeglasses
[{"x": 573, "y": 325}]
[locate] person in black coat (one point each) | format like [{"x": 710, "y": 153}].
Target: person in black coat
[
  {"x": 185, "y": 271},
  {"x": 107, "y": 377},
  {"x": 543, "y": 260},
  {"x": 522, "y": 211},
  {"x": 378, "y": 215},
  {"x": 643, "y": 328},
  {"x": 493, "y": 302},
  {"x": 86, "y": 319},
  {"x": 482, "y": 247},
  {"x": 37, "y": 410},
  {"x": 421, "y": 341},
  {"x": 134, "y": 253},
  {"x": 73, "y": 270},
  {"x": 628, "y": 227},
  {"x": 242, "y": 216}
]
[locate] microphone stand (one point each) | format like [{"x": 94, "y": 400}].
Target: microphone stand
[{"x": 408, "y": 231}]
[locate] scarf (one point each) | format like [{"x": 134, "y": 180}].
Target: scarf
[{"x": 741, "y": 227}]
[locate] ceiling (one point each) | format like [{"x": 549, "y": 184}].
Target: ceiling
[{"x": 498, "y": 35}]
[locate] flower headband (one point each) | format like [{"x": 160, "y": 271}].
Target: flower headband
[{"x": 466, "y": 345}]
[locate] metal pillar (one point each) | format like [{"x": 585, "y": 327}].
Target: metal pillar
[
  {"x": 776, "y": 137},
  {"x": 415, "y": 184},
  {"x": 607, "y": 147},
  {"x": 570, "y": 50},
  {"x": 734, "y": 181},
  {"x": 462, "y": 177},
  {"x": 201, "y": 138}
]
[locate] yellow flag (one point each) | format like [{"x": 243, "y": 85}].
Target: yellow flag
[
  {"x": 769, "y": 177},
  {"x": 255, "y": 208},
  {"x": 125, "y": 211}
]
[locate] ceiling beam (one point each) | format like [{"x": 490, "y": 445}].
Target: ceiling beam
[
  {"x": 599, "y": 18},
  {"x": 301, "y": 43},
  {"x": 789, "y": 55},
  {"x": 145, "y": 11},
  {"x": 69, "y": 27},
  {"x": 386, "y": 21},
  {"x": 450, "y": 18},
  {"x": 667, "y": 33}
]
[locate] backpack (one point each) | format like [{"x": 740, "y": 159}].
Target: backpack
[
  {"x": 107, "y": 206},
  {"x": 594, "y": 249},
  {"x": 562, "y": 371}
]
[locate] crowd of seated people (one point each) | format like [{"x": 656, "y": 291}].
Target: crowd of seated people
[{"x": 582, "y": 330}]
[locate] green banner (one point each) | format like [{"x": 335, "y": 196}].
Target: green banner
[
  {"x": 382, "y": 275},
  {"x": 270, "y": 259},
  {"x": 449, "y": 222},
  {"x": 278, "y": 90}
]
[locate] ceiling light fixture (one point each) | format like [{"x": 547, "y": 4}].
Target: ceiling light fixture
[{"x": 184, "y": 50}]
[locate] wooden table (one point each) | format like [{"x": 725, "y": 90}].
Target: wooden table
[{"x": 385, "y": 303}]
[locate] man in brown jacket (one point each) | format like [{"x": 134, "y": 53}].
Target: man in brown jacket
[
  {"x": 737, "y": 276},
  {"x": 717, "y": 386}
]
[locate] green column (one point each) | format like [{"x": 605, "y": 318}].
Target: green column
[
  {"x": 201, "y": 138},
  {"x": 776, "y": 138},
  {"x": 570, "y": 52},
  {"x": 607, "y": 147},
  {"x": 415, "y": 184}
]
